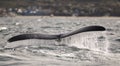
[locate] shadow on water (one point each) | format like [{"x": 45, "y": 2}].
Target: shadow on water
[
  {"x": 14, "y": 64},
  {"x": 5, "y": 58}
]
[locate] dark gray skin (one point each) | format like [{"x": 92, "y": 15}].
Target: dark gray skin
[{"x": 57, "y": 37}]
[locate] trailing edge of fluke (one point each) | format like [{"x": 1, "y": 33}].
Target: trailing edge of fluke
[{"x": 53, "y": 37}]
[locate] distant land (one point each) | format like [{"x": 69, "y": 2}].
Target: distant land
[{"x": 69, "y": 7}]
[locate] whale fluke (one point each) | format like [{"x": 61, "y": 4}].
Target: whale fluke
[
  {"x": 84, "y": 29},
  {"x": 33, "y": 36},
  {"x": 58, "y": 36}
]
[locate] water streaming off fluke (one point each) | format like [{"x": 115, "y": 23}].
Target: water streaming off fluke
[{"x": 96, "y": 41}]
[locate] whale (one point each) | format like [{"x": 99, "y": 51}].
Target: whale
[{"x": 57, "y": 36}]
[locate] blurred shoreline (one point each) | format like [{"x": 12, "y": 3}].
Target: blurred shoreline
[
  {"x": 60, "y": 7},
  {"x": 65, "y": 17}
]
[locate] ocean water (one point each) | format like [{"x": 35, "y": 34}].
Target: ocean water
[{"x": 99, "y": 48}]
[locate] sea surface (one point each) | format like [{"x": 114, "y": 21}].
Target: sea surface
[{"x": 96, "y": 48}]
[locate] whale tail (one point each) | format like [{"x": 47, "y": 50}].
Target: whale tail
[{"x": 58, "y": 37}]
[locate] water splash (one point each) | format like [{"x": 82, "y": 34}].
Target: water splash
[{"x": 96, "y": 41}]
